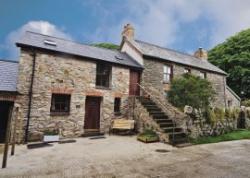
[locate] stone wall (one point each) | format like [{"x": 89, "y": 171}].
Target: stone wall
[
  {"x": 152, "y": 78},
  {"x": 64, "y": 73},
  {"x": 198, "y": 127}
]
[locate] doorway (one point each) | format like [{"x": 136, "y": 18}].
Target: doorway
[
  {"x": 5, "y": 110},
  {"x": 134, "y": 79},
  {"x": 92, "y": 114}
]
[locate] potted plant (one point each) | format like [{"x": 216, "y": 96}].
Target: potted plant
[{"x": 51, "y": 135}]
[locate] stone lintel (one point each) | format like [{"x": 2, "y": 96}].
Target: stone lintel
[
  {"x": 62, "y": 90},
  {"x": 94, "y": 93}
]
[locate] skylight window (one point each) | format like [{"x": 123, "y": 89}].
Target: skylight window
[
  {"x": 119, "y": 58},
  {"x": 49, "y": 42}
]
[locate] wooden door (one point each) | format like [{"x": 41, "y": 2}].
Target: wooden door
[
  {"x": 134, "y": 79},
  {"x": 92, "y": 114}
]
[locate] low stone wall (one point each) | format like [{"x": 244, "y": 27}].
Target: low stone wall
[{"x": 198, "y": 127}]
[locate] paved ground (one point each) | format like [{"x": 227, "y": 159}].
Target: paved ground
[{"x": 125, "y": 157}]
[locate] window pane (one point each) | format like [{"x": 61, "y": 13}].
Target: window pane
[
  {"x": 117, "y": 105},
  {"x": 103, "y": 72},
  {"x": 166, "y": 77},
  {"x": 60, "y": 103}
]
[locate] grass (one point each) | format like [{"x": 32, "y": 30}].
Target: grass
[{"x": 235, "y": 135}]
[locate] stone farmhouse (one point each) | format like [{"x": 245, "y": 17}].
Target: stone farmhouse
[{"x": 79, "y": 89}]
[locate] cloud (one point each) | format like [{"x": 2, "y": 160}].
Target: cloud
[
  {"x": 163, "y": 21},
  {"x": 43, "y": 27}
]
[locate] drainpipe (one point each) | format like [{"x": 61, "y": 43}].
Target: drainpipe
[
  {"x": 225, "y": 97},
  {"x": 30, "y": 95}
]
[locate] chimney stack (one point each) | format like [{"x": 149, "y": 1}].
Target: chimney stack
[
  {"x": 201, "y": 53},
  {"x": 128, "y": 32}
]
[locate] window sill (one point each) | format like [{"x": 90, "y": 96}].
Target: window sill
[
  {"x": 117, "y": 113},
  {"x": 103, "y": 88},
  {"x": 166, "y": 82},
  {"x": 59, "y": 114}
]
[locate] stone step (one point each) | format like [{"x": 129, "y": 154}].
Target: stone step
[
  {"x": 158, "y": 116},
  {"x": 178, "y": 141},
  {"x": 176, "y": 135},
  {"x": 91, "y": 134},
  {"x": 166, "y": 124},
  {"x": 171, "y": 129},
  {"x": 153, "y": 109},
  {"x": 156, "y": 113},
  {"x": 163, "y": 121}
]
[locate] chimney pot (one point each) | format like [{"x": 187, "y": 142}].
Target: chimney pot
[
  {"x": 201, "y": 53},
  {"x": 128, "y": 32}
]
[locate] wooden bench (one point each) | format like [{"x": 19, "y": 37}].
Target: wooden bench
[{"x": 122, "y": 125}]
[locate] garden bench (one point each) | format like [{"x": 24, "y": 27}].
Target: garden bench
[{"x": 122, "y": 125}]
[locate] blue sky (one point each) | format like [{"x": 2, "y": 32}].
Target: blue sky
[{"x": 183, "y": 25}]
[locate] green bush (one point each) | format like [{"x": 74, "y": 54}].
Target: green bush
[
  {"x": 191, "y": 90},
  {"x": 210, "y": 116},
  {"x": 246, "y": 103},
  {"x": 219, "y": 114}
]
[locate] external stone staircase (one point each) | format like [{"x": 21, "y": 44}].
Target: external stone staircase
[{"x": 167, "y": 125}]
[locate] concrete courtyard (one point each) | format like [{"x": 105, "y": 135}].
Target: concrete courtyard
[{"x": 118, "y": 156}]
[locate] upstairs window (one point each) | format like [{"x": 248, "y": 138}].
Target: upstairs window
[
  {"x": 187, "y": 71},
  {"x": 203, "y": 75},
  {"x": 117, "y": 106},
  {"x": 60, "y": 104},
  {"x": 167, "y": 73},
  {"x": 103, "y": 75}
]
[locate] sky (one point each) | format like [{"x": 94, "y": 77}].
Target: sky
[{"x": 183, "y": 25}]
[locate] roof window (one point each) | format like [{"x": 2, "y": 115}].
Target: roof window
[
  {"x": 49, "y": 42},
  {"x": 118, "y": 58}
]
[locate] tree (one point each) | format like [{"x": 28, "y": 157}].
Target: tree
[
  {"x": 233, "y": 56},
  {"x": 107, "y": 46},
  {"x": 191, "y": 90}
]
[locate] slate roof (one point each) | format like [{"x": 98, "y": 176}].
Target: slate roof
[
  {"x": 152, "y": 50},
  {"x": 66, "y": 46},
  {"x": 8, "y": 75}
]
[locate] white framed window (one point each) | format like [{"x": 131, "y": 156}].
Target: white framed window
[
  {"x": 187, "y": 70},
  {"x": 167, "y": 73},
  {"x": 203, "y": 75}
]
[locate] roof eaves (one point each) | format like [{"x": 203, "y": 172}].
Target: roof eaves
[{"x": 146, "y": 55}]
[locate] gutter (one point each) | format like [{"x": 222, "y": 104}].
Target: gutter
[{"x": 30, "y": 95}]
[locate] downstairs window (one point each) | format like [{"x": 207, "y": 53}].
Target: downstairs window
[{"x": 60, "y": 104}]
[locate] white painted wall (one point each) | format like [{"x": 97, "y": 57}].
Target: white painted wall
[{"x": 132, "y": 52}]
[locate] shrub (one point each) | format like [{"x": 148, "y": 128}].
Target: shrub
[
  {"x": 191, "y": 90},
  {"x": 219, "y": 114},
  {"x": 246, "y": 103},
  {"x": 210, "y": 116}
]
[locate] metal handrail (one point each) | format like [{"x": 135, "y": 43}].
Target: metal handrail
[{"x": 159, "y": 102}]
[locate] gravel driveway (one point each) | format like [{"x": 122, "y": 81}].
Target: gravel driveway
[{"x": 118, "y": 156}]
